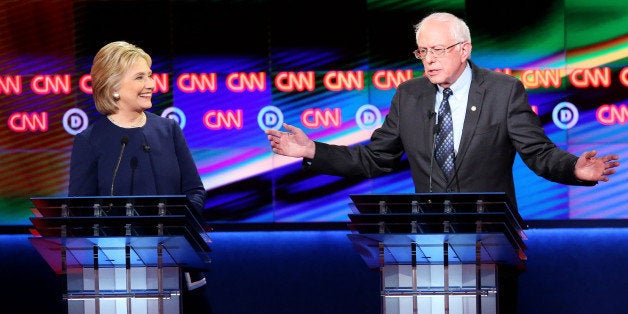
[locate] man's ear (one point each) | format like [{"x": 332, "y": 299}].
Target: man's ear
[{"x": 465, "y": 49}]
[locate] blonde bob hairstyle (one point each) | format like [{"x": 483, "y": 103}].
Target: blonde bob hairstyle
[{"x": 110, "y": 64}]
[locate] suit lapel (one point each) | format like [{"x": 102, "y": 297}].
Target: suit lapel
[
  {"x": 423, "y": 105},
  {"x": 427, "y": 101},
  {"x": 425, "y": 108},
  {"x": 474, "y": 108}
]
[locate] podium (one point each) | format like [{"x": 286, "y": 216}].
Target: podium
[
  {"x": 438, "y": 252},
  {"x": 120, "y": 254}
]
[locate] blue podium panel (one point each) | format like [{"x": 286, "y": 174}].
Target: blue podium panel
[
  {"x": 112, "y": 252},
  {"x": 495, "y": 248}
]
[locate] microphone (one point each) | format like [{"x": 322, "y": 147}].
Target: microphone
[
  {"x": 435, "y": 132},
  {"x": 436, "y": 123},
  {"x": 146, "y": 148},
  {"x": 124, "y": 140}
]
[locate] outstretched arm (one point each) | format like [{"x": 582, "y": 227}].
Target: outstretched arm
[
  {"x": 591, "y": 168},
  {"x": 294, "y": 143}
]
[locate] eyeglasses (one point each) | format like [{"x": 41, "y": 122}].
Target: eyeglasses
[{"x": 421, "y": 53}]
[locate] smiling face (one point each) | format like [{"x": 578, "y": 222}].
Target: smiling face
[
  {"x": 442, "y": 70},
  {"x": 136, "y": 87}
]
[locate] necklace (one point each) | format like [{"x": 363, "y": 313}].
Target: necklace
[{"x": 140, "y": 121}]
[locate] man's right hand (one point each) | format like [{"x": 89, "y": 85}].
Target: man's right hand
[{"x": 293, "y": 143}]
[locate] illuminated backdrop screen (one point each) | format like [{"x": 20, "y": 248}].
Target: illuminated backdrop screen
[{"x": 227, "y": 70}]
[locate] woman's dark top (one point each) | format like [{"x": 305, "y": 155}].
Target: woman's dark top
[{"x": 156, "y": 161}]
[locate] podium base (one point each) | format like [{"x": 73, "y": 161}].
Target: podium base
[
  {"x": 120, "y": 290},
  {"x": 436, "y": 289}
]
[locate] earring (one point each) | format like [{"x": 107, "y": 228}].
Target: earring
[{"x": 116, "y": 96}]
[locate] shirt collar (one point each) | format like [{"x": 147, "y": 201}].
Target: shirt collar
[{"x": 461, "y": 84}]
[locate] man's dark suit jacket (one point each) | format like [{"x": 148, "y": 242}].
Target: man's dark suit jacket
[{"x": 499, "y": 123}]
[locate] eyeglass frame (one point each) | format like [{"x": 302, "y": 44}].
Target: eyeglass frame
[{"x": 436, "y": 52}]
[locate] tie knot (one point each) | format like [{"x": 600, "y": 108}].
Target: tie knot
[{"x": 447, "y": 92}]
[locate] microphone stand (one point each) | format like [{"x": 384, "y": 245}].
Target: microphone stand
[
  {"x": 124, "y": 140},
  {"x": 435, "y": 132}
]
